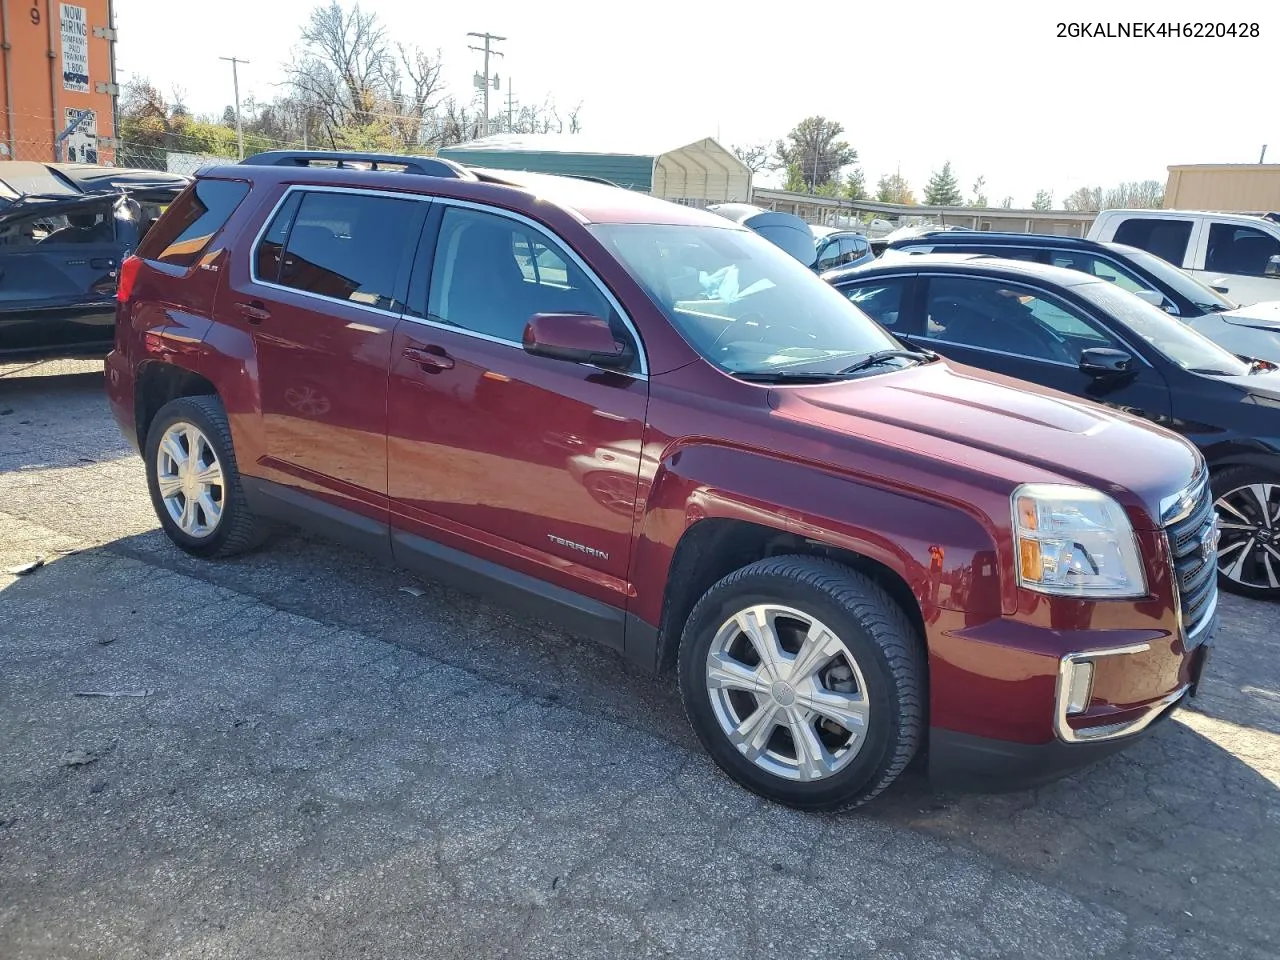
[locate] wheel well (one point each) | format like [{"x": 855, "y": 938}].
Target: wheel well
[
  {"x": 712, "y": 549},
  {"x": 158, "y": 383}
]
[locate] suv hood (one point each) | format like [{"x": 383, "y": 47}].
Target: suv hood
[
  {"x": 997, "y": 425},
  {"x": 1263, "y": 315}
]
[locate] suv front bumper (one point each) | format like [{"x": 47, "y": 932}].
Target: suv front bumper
[{"x": 968, "y": 762}]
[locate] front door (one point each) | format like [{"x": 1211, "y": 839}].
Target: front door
[
  {"x": 1029, "y": 334},
  {"x": 530, "y": 462},
  {"x": 320, "y": 303},
  {"x": 1242, "y": 262}
]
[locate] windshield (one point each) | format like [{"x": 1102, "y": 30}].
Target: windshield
[
  {"x": 1176, "y": 341},
  {"x": 743, "y": 303},
  {"x": 1186, "y": 285}
]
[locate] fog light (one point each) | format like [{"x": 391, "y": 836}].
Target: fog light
[{"x": 1079, "y": 685}]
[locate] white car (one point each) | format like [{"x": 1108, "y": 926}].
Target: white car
[{"x": 1236, "y": 254}]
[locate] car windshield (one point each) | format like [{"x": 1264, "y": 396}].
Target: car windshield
[
  {"x": 743, "y": 303},
  {"x": 1186, "y": 285},
  {"x": 1176, "y": 341}
]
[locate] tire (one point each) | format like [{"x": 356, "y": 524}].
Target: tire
[
  {"x": 877, "y": 672},
  {"x": 200, "y": 420},
  {"x": 1249, "y": 551}
]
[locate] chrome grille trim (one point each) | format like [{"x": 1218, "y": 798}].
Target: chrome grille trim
[{"x": 1191, "y": 529}]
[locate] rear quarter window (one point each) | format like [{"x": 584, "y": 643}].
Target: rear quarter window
[{"x": 182, "y": 234}]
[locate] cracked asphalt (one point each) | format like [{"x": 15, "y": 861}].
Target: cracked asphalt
[{"x": 301, "y": 759}]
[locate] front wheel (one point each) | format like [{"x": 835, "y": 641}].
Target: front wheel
[
  {"x": 804, "y": 681},
  {"x": 1248, "y": 503}
]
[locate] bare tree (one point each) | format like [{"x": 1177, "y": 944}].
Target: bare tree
[{"x": 755, "y": 156}]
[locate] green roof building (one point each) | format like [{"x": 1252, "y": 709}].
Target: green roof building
[{"x": 694, "y": 173}]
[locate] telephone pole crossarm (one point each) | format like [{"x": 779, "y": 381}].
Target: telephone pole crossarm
[{"x": 490, "y": 81}]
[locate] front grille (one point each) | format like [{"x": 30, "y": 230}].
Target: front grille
[{"x": 1192, "y": 528}]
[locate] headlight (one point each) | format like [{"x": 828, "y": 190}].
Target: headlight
[{"x": 1075, "y": 542}]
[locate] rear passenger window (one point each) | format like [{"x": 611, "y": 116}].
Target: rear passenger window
[
  {"x": 182, "y": 234},
  {"x": 267, "y": 258},
  {"x": 492, "y": 274},
  {"x": 347, "y": 246},
  {"x": 881, "y": 300},
  {"x": 1167, "y": 239}
]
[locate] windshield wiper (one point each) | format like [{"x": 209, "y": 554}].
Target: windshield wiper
[
  {"x": 883, "y": 356},
  {"x": 787, "y": 376}
]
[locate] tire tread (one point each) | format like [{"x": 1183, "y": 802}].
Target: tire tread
[{"x": 881, "y": 617}]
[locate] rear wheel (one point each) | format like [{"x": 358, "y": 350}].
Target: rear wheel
[
  {"x": 1248, "y": 504},
  {"x": 804, "y": 681},
  {"x": 194, "y": 482}
]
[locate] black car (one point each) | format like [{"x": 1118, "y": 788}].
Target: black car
[
  {"x": 1141, "y": 273},
  {"x": 60, "y": 253},
  {"x": 1085, "y": 336}
]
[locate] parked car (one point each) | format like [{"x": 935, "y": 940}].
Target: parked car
[
  {"x": 784, "y": 230},
  {"x": 840, "y": 248},
  {"x": 1252, "y": 331},
  {"x": 648, "y": 423},
  {"x": 1235, "y": 253},
  {"x": 59, "y": 258},
  {"x": 28, "y": 178},
  {"x": 1085, "y": 336}
]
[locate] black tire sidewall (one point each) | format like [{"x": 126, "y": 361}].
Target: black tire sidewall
[
  {"x": 1223, "y": 482},
  {"x": 866, "y": 768},
  {"x": 184, "y": 410}
]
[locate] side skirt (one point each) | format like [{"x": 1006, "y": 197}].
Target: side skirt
[{"x": 482, "y": 578}]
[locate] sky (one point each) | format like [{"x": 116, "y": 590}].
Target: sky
[{"x": 986, "y": 85}]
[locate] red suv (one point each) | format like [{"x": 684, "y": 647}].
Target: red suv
[{"x": 654, "y": 426}]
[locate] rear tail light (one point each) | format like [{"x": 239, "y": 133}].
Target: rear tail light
[{"x": 128, "y": 276}]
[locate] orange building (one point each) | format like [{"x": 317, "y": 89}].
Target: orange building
[{"x": 59, "y": 73}]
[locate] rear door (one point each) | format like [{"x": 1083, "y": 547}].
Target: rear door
[
  {"x": 1170, "y": 238},
  {"x": 58, "y": 268},
  {"x": 1034, "y": 335},
  {"x": 318, "y": 299},
  {"x": 1241, "y": 262}
]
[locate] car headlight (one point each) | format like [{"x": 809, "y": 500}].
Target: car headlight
[{"x": 1075, "y": 542}]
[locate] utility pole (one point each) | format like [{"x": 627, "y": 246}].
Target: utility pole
[
  {"x": 511, "y": 106},
  {"x": 490, "y": 80},
  {"x": 235, "y": 81},
  {"x": 1263, "y": 158}
]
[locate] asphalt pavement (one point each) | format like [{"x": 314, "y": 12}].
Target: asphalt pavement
[{"x": 291, "y": 755}]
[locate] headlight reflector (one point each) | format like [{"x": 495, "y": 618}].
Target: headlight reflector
[{"x": 1075, "y": 542}]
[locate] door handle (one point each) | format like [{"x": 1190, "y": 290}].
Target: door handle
[
  {"x": 431, "y": 359},
  {"x": 254, "y": 312}
]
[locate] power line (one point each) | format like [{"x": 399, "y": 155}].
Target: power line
[{"x": 488, "y": 51}]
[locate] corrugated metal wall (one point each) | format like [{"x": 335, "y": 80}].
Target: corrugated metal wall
[
  {"x": 1243, "y": 187},
  {"x": 634, "y": 173}
]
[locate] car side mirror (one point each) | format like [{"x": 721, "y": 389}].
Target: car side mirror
[
  {"x": 1105, "y": 362},
  {"x": 1273, "y": 268},
  {"x": 1219, "y": 286},
  {"x": 576, "y": 337}
]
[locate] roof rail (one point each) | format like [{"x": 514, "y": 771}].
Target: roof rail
[
  {"x": 1274, "y": 217},
  {"x": 423, "y": 166}
]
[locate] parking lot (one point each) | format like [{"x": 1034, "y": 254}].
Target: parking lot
[{"x": 299, "y": 758}]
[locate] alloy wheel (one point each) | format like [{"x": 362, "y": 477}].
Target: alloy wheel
[
  {"x": 1249, "y": 547},
  {"x": 189, "y": 478},
  {"x": 787, "y": 692}
]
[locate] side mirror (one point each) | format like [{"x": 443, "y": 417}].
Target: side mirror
[
  {"x": 1105, "y": 362},
  {"x": 1273, "y": 268},
  {"x": 1219, "y": 285},
  {"x": 576, "y": 337}
]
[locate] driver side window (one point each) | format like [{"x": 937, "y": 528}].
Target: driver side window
[{"x": 1009, "y": 319}]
